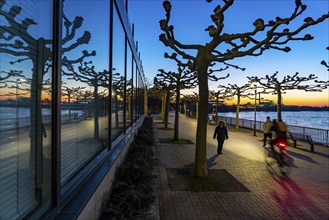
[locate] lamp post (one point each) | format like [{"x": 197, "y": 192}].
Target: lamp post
[
  {"x": 255, "y": 107},
  {"x": 18, "y": 81}
]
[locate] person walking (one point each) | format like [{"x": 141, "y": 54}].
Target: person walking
[
  {"x": 267, "y": 130},
  {"x": 221, "y": 134}
]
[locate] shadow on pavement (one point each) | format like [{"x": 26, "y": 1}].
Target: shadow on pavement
[{"x": 302, "y": 157}]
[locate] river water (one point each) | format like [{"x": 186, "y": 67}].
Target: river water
[{"x": 310, "y": 119}]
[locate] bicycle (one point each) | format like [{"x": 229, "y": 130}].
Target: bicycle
[{"x": 278, "y": 159}]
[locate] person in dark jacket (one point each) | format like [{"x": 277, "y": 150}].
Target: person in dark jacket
[
  {"x": 280, "y": 132},
  {"x": 221, "y": 134}
]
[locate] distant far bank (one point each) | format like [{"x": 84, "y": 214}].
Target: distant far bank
[{"x": 232, "y": 108}]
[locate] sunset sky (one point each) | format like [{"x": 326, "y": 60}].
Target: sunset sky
[{"x": 191, "y": 17}]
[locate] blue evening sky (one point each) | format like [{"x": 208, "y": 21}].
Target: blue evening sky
[{"x": 191, "y": 17}]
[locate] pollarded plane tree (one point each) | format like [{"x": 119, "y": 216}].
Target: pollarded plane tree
[
  {"x": 87, "y": 74},
  {"x": 69, "y": 92},
  {"x": 219, "y": 97},
  {"x": 295, "y": 82},
  {"x": 103, "y": 102},
  {"x": 129, "y": 99},
  {"x": 190, "y": 100},
  {"x": 186, "y": 79},
  {"x": 154, "y": 98},
  {"x": 167, "y": 91},
  {"x": 178, "y": 80},
  {"x": 157, "y": 93},
  {"x": 243, "y": 91},
  {"x": 118, "y": 86},
  {"x": 263, "y": 37},
  {"x": 18, "y": 41},
  {"x": 183, "y": 79},
  {"x": 84, "y": 97}
]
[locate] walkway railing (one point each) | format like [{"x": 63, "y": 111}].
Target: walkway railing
[{"x": 320, "y": 136}]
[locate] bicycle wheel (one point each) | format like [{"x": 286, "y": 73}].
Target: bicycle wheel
[{"x": 285, "y": 163}]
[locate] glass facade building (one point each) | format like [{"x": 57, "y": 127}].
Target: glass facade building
[{"x": 72, "y": 96}]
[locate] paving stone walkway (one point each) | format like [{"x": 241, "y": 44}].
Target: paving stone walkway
[{"x": 303, "y": 194}]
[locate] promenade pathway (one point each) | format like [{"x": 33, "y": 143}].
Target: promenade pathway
[{"x": 303, "y": 194}]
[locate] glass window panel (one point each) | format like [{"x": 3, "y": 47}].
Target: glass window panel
[
  {"x": 129, "y": 92},
  {"x": 141, "y": 96},
  {"x": 135, "y": 101},
  {"x": 85, "y": 83},
  {"x": 25, "y": 113},
  {"x": 118, "y": 79}
]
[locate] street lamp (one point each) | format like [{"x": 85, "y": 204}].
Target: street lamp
[
  {"x": 18, "y": 81},
  {"x": 255, "y": 107}
]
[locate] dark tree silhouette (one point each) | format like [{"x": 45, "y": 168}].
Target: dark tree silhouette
[
  {"x": 219, "y": 96},
  {"x": 17, "y": 41},
  {"x": 88, "y": 75},
  {"x": 9, "y": 74},
  {"x": 325, "y": 63},
  {"x": 265, "y": 36},
  {"x": 86, "y": 95},
  {"x": 155, "y": 97},
  {"x": 6, "y": 77},
  {"x": 180, "y": 80},
  {"x": 191, "y": 99},
  {"x": 240, "y": 92},
  {"x": 187, "y": 81},
  {"x": 118, "y": 84},
  {"x": 167, "y": 91},
  {"x": 69, "y": 92},
  {"x": 183, "y": 79},
  {"x": 295, "y": 82}
]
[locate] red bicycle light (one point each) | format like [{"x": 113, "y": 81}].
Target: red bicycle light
[{"x": 282, "y": 145}]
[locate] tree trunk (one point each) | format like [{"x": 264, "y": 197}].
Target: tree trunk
[
  {"x": 176, "y": 132},
  {"x": 96, "y": 124},
  {"x": 166, "y": 110},
  {"x": 237, "y": 113},
  {"x": 115, "y": 106},
  {"x": 163, "y": 98},
  {"x": 216, "y": 111},
  {"x": 197, "y": 110},
  {"x": 185, "y": 106},
  {"x": 201, "y": 132},
  {"x": 279, "y": 104}
]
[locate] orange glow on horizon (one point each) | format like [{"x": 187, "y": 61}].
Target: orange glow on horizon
[{"x": 297, "y": 98}]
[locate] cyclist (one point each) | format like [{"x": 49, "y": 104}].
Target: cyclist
[{"x": 280, "y": 129}]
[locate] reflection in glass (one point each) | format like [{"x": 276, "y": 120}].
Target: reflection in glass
[
  {"x": 25, "y": 100},
  {"x": 129, "y": 91},
  {"x": 118, "y": 77},
  {"x": 85, "y": 80}
]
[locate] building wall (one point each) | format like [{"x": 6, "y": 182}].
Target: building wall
[{"x": 71, "y": 100}]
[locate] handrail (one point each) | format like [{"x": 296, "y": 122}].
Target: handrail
[{"x": 319, "y": 136}]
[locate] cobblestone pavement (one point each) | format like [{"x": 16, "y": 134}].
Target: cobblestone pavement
[{"x": 303, "y": 194}]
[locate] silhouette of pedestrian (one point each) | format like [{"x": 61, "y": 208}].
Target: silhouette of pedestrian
[
  {"x": 267, "y": 130},
  {"x": 221, "y": 134}
]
